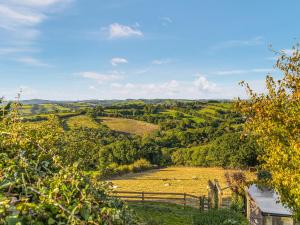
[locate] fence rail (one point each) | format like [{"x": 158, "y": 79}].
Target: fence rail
[{"x": 200, "y": 202}]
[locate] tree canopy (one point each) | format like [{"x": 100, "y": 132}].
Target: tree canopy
[
  {"x": 274, "y": 119},
  {"x": 39, "y": 186}
]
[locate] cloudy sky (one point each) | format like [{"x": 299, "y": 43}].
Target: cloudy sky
[{"x": 118, "y": 49}]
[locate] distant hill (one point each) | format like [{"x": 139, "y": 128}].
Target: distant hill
[
  {"x": 36, "y": 101},
  {"x": 116, "y": 101}
]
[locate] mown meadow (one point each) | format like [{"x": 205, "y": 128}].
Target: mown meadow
[{"x": 190, "y": 180}]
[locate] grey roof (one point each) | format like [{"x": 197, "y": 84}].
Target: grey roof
[{"x": 268, "y": 201}]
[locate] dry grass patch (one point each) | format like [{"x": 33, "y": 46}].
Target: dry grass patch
[
  {"x": 129, "y": 126},
  {"x": 191, "y": 180}
]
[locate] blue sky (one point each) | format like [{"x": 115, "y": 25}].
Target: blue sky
[{"x": 118, "y": 49}]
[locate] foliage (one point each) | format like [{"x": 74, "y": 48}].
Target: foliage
[
  {"x": 38, "y": 187},
  {"x": 228, "y": 150},
  {"x": 274, "y": 119},
  {"x": 191, "y": 133},
  {"x": 237, "y": 182},
  {"x": 171, "y": 214},
  {"x": 114, "y": 169},
  {"x": 220, "y": 217}
]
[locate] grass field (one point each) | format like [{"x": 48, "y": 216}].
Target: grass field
[
  {"x": 81, "y": 121},
  {"x": 211, "y": 110},
  {"x": 129, "y": 126},
  {"x": 27, "y": 110},
  {"x": 191, "y": 180},
  {"x": 187, "y": 116},
  {"x": 172, "y": 214},
  {"x": 164, "y": 213}
]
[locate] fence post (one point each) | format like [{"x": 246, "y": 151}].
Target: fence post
[
  {"x": 184, "y": 199},
  {"x": 201, "y": 203},
  {"x": 219, "y": 194},
  {"x": 211, "y": 194},
  {"x": 143, "y": 197}
]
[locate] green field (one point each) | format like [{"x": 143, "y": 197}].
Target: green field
[
  {"x": 212, "y": 111},
  {"x": 129, "y": 126},
  {"x": 35, "y": 109},
  {"x": 81, "y": 121},
  {"x": 171, "y": 214},
  {"x": 184, "y": 115},
  {"x": 164, "y": 213}
]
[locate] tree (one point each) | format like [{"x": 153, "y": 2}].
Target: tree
[
  {"x": 274, "y": 119},
  {"x": 4, "y": 107},
  {"x": 38, "y": 187}
]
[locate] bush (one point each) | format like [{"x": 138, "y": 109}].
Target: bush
[
  {"x": 117, "y": 170},
  {"x": 140, "y": 165},
  {"x": 220, "y": 217},
  {"x": 37, "y": 186}
]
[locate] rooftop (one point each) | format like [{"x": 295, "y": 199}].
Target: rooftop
[{"x": 268, "y": 201}]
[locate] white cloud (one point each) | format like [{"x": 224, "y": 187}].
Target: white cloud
[
  {"x": 26, "y": 92},
  {"x": 230, "y": 72},
  {"x": 32, "y": 62},
  {"x": 239, "y": 43},
  {"x": 101, "y": 78},
  {"x": 168, "y": 88},
  {"x": 116, "y": 61},
  {"x": 161, "y": 61},
  {"x": 117, "y": 30},
  {"x": 204, "y": 85},
  {"x": 288, "y": 52},
  {"x": 20, "y": 22},
  {"x": 39, "y": 3},
  {"x": 12, "y": 50},
  {"x": 165, "y": 21},
  {"x": 11, "y": 18},
  {"x": 198, "y": 88},
  {"x": 237, "y": 72}
]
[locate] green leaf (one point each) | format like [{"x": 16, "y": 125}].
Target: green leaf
[
  {"x": 51, "y": 221},
  {"x": 12, "y": 220}
]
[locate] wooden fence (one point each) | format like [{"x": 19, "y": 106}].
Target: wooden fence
[
  {"x": 216, "y": 198},
  {"x": 200, "y": 202}
]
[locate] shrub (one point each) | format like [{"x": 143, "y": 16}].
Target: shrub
[
  {"x": 116, "y": 170},
  {"x": 38, "y": 187},
  {"x": 140, "y": 165},
  {"x": 220, "y": 217}
]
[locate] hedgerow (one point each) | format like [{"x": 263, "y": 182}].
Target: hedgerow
[{"x": 38, "y": 187}]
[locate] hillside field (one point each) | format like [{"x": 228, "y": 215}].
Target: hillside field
[
  {"x": 129, "y": 126},
  {"x": 191, "y": 180},
  {"x": 81, "y": 121}
]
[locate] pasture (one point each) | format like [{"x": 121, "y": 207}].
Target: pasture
[
  {"x": 129, "y": 126},
  {"x": 184, "y": 115},
  {"x": 190, "y": 180},
  {"x": 81, "y": 121}
]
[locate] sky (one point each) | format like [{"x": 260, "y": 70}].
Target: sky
[{"x": 120, "y": 49}]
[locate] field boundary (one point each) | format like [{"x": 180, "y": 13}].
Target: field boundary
[{"x": 199, "y": 202}]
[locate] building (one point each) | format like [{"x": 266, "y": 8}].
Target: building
[{"x": 264, "y": 208}]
